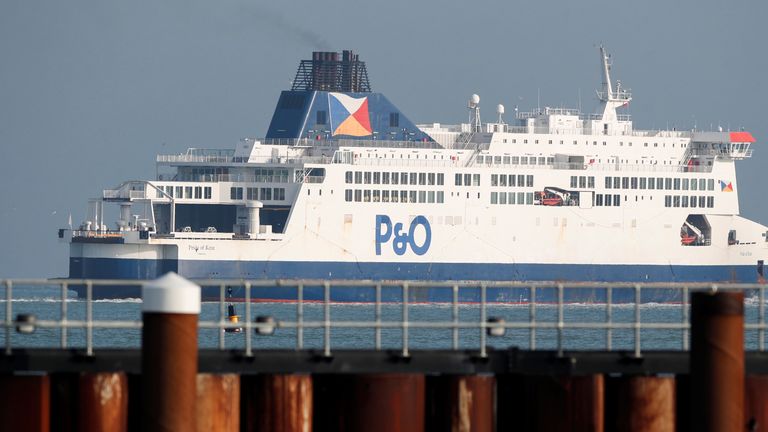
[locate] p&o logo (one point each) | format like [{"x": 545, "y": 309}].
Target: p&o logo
[{"x": 402, "y": 240}]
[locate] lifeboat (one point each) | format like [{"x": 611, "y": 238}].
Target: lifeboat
[{"x": 687, "y": 240}]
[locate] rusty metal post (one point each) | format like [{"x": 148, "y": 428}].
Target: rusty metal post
[
  {"x": 278, "y": 402},
  {"x": 388, "y": 402},
  {"x": 756, "y": 402},
  {"x": 551, "y": 403},
  {"x": 171, "y": 305},
  {"x": 25, "y": 403},
  {"x": 460, "y": 403},
  {"x": 644, "y": 403},
  {"x": 103, "y": 402},
  {"x": 218, "y": 402},
  {"x": 717, "y": 361}
]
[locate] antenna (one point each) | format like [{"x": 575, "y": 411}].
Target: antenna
[
  {"x": 538, "y": 99},
  {"x": 579, "y": 99},
  {"x": 474, "y": 113}
]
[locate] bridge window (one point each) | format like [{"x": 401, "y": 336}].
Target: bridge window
[
  {"x": 252, "y": 193},
  {"x": 377, "y": 178},
  {"x": 710, "y": 202},
  {"x": 394, "y": 119},
  {"x": 235, "y": 193},
  {"x": 207, "y": 192},
  {"x": 607, "y": 182},
  {"x": 348, "y": 195},
  {"x": 710, "y": 184},
  {"x": 367, "y": 177},
  {"x": 279, "y": 193},
  {"x": 322, "y": 117}
]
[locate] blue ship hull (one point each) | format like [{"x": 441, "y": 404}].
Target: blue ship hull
[{"x": 108, "y": 268}]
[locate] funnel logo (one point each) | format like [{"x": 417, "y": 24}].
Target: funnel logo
[
  {"x": 350, "y": 115},
  {"x": 725, "y": 187}
]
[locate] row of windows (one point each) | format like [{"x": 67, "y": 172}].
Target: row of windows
[
  {"x": 607, "y": 200},
  {"x": 512, "y": 198},
  {"x": 515, "y": 160},
  {"x": 582, "y": 181},
  {"x": 187, "y": 192},
  {"x": 252, "y": 193},
  {"x": 322, "y": 118},
  {"x": 605, "y": 143},
  {"x": 367, "y": 195},
  {"x": 404, "y": 178},
  {"x": 659, "y": 183},
  {"x": 686, "y": 201},
  {"x": 467, "y": 180},
  {"x": 511, "y": 180},
  {"x": 275, "y": 175}
]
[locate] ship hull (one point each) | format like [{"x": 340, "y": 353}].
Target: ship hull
[{"x": 138, "y": 269}]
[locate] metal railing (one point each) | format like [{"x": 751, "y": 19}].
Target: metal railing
[{"x": 546, "y": 313}]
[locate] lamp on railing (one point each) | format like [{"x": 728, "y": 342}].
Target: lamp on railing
[
  {"x": 25, "y": 323},
  {"x": 266, "y": 325},
  {"x": 495, "y": 326}
]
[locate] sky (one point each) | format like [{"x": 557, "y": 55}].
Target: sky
[{"x": 91, "y": 91}]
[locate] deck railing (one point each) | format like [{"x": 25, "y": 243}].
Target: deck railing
[{"x": 544, "y": 318}]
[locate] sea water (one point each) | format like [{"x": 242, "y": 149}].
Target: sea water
[{"x": 45, "y": 303}]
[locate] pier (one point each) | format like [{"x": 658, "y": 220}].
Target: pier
[{"x": 701, "y": 365}]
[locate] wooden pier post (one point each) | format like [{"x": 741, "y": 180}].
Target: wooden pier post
[
  {"x": 717, "y": 361},
  {"x": 25, "y": 403},
  {"x": 461, "y": 403},
  {"x": 171, "y": 305}
]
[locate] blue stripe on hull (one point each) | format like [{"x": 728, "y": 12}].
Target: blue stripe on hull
[{"x": 110, "y": 268}]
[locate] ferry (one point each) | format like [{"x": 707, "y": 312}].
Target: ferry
[{"x": 346, "y": 186}]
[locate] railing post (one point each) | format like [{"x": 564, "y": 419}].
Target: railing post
[
  {"x": 171, "y": 306},
  {"x": 717, "y": 361}
]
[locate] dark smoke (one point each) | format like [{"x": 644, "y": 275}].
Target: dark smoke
[{"x": 277, "y": 21}]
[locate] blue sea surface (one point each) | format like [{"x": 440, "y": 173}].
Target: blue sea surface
[{"x": 45, "y": 303}]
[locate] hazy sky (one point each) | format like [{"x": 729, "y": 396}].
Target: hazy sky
[{"x": 91, "y": 91}]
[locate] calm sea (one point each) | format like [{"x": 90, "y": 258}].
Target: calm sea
[{"x": 45, "y": 304}]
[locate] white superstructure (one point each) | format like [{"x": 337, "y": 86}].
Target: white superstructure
[{"x": 553, "y": 195}]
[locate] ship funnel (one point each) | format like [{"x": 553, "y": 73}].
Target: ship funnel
[{"x": 330, "y": 71}]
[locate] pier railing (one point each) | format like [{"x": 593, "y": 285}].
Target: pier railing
[{"x": 470, "y": 315}]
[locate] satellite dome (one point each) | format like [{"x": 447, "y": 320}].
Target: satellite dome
[
  {"x": 500, "y": 109},
  {"x": 475, "y": 99}
]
